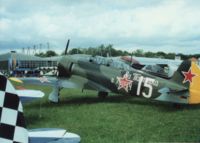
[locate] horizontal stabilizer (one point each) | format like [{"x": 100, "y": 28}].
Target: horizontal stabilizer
[
  {"x": 29, "y": 95},
  {"x": 174, "y": 96},
  {"x": 167, "y": 90},
  {"x": 53, "y": 136}
]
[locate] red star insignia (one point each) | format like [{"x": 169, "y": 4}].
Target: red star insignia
[
  {"x": 124, "y": 82},
  {"x": 188, "y": 76}
]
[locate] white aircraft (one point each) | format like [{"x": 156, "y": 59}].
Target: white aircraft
[
  {"x": 157, "y": 66},
  {"x": 151, "y": 61},
  {"x": 12, "y": 121}
]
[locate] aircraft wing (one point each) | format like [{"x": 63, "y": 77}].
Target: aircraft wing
[
  {"x": 82, "y": 83},
  {"x": 29, "y": 95},
  {"x": 52, "y": 135},
  {"x": 72, "y": 82},
  {"x": 49, "y": 81}
]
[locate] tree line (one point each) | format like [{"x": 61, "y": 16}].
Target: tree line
[{"x": 109, "y": 50}]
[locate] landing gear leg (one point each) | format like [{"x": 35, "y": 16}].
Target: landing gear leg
[
  {"x": 54, "y": 95},
  {"x": 59, "y": 94}
]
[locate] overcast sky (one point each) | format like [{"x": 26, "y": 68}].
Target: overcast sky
[{"x": 151, "y": 25}]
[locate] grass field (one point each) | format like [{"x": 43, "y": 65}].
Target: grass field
[{"x": 115, "y": 119}]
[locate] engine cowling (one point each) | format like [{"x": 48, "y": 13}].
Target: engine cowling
[{"x": 65, "y": 68}]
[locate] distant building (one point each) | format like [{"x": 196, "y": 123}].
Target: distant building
[
  {"x": 178, "y": 57},
  {"x": 12, "y": 62}
]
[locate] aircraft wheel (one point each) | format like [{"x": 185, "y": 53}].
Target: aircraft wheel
[
  {"x": 102, "y": 94},
  {"x": 177, "y": 106}
]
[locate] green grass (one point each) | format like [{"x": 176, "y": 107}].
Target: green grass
[{"x": 115, "y": 119}]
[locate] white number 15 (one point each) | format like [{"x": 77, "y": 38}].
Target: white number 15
[{"x": 146, "y": 84}]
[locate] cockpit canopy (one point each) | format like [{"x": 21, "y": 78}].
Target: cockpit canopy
[{"x": 109, "y": 62}]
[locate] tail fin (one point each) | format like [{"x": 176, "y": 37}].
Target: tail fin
[
  {"x": 179, "y": 76},
  {"x": 188, "y": 75},
  {"x": 195, "y": 85},
  {"x": 12, "y": 121}
]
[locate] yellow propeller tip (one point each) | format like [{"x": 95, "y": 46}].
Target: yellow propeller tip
[{"x": 15, "y": 79}]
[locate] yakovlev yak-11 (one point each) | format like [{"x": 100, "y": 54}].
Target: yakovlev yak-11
[{"x": 79, "y": 71}]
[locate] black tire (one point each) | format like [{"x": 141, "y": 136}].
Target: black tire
[
  {"x": 102, "y": 94},
  {"x": 177, "y": 106}
]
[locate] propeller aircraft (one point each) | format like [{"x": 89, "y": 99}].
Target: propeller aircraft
[{"x": 83, "y": 72}]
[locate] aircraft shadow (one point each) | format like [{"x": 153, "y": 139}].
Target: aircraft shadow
[{"x": 163, "y": 106}]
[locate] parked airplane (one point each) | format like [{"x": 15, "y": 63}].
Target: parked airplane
[
  {"x": 107, "y": 75},
  {"x": 77, "y": 72},
  {"x": 164, "y": 68},
  {"x": 12, "y": 121}
]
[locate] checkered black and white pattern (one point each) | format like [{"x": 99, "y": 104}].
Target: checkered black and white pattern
[{"x": 12, "y": 122}]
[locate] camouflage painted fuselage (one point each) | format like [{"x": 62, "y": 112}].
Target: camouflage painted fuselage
[
  {"x": 106, "y": 75},
  {"x": 90, "y": 75}
]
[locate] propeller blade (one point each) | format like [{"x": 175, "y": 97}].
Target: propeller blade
[{"x": 67, "y": 46}]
